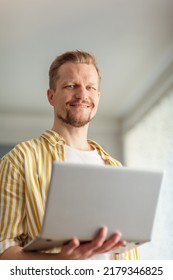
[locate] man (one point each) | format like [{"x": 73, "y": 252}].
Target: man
[{"x": 74, "y": 92}]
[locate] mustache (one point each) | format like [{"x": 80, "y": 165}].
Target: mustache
[{"x": 79, "y": 101}]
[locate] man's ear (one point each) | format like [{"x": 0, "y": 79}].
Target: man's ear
[{"x": 50, "y": 94}]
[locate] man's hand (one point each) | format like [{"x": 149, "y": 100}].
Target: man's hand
[{"x": 74, "y": 251}]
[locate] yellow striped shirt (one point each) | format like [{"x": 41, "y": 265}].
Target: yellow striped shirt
[{"x": 24, "y": 180}]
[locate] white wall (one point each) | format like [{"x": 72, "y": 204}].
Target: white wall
[
  {"x": 149, "y": 144},
  {"x": 16, "y": 127}
]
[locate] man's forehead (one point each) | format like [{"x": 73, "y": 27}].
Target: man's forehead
[{"x": 71, "y": 69}]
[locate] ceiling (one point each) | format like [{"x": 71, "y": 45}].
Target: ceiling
[{"x": 132, "y": 40}]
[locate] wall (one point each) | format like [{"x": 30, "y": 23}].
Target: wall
[{"x": 149, "y": 144}]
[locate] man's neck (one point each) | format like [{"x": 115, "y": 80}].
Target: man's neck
[{"x": 75, "y": 137}]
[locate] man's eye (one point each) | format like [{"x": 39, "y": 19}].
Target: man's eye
[
  {"x": 70, "y": 86},
  {"x": 91, "y": 88}
]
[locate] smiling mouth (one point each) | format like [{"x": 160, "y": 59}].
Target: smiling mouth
[{"x": 80, "y": 105}]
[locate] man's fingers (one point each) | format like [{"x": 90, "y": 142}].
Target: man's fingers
[
  {"x": 112, "y": 242},
  {"x": 87, "y": 250},
  {"x": 75, "y": 250},
  {"x": 70, "y": 247},
  {"x": 98, "y": 240},
  {"x": 118, "y": 245}
]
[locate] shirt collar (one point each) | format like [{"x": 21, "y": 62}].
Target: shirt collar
[
  {"x": 53, "y": 137},
  {"x": 105, "y": 156},
  {"x": 102, "y": 152}
]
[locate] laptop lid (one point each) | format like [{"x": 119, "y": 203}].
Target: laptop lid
[{"x": 83, "y": 198}]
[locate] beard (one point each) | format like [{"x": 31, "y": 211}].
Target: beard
[{"x": 72, "y": 120}]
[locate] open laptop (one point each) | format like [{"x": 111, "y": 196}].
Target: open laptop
[{"x": 83, "y": 198}]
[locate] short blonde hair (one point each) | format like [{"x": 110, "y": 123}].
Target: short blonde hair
[{"x": 71, "y": 56}]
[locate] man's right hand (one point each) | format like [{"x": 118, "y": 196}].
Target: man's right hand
[
  {"x": 99, "y": 245},
  {"x": 72, "y": 251}
]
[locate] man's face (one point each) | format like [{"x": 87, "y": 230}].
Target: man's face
[{"x": 76, "y": 97}]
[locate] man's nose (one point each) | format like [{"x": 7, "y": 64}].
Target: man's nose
[{"x": 81, "y": 93}]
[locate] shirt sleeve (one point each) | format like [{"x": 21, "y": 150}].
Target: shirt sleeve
[
  {"x": 12, "y": 205},
  {"x": 129, "y": 255}
]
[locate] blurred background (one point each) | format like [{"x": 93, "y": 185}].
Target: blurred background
[{"x": 133, "y": 43}]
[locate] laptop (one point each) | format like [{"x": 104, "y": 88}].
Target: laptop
[{"x": 83, "y": 198}]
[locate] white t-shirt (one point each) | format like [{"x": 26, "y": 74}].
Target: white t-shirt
[
  {"x": 78, "y": 156},
  {"x": 90, "y": 157}
]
